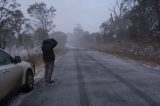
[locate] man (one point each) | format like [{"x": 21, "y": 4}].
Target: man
[{"x": 49, "y": 58}]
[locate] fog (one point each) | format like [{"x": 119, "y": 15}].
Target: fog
[
  {"x": 89, "y": 13},
  {"x": 125, "y": 26},
  {"x": 105, "y": 36}
]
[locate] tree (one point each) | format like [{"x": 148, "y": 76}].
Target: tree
[
  {"x": 26, "y": 40},
  {"x": 10, "y": 40},
  {"x": 60, "y": 37},
  {"x": 43, "y": 15},
  {"x": 11, "y": 19},
  {"x": 133, "y": 20},
  {"x": 96, "y": 38},
  {"x": 78, "y": 34},
  {"x": 40, "y": 35},
  {"x": 116, "y": 27},
  {"x": 80, "y": 37}
]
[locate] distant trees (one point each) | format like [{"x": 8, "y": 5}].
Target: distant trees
[
  {"x": 78, "y": 34},
  {"x": 82, "y": 38},
  {"x": 133, "y": 20},
  {"x": 60, "y": 37},
  {"x": 96, "y": 39}
]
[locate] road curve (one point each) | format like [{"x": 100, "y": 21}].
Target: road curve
[{"x": 86, "y": 78}]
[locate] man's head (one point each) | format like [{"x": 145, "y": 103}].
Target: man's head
[
  {"x": 45, "y": 42},
  {"x": 49, "y": 41}
]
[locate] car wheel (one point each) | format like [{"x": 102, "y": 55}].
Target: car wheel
[{"x": 29, "y": 81}]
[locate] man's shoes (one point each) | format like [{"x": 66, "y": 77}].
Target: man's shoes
[{"x": 52, "y": 81}]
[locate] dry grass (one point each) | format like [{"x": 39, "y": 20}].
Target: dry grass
[
  {"x": 38, "y": 60},
  {"x": 118, "y": 50}
]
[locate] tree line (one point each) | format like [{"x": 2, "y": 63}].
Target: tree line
[
  {"x": 131, "y": 21},
  {"x": 16, "y": 30},
  {"x": 82, "y": 38},
  {"x": 135, "y": 21}
]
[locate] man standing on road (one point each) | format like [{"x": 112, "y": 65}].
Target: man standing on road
[{"x": 49, "y": 58}]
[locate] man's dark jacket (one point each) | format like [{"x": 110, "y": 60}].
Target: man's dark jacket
[{"x": 47, "y": 49}]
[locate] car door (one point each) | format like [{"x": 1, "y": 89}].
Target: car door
[
  {"x": 2, "y": 83},
  {"x": 11, "y": 73}
]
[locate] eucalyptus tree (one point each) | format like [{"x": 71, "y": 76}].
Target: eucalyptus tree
[
  {"x": 42, "y": 15},
  {"x": 11, "y": 20}
]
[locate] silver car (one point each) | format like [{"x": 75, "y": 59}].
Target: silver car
[{"x": 14, "y": 73}]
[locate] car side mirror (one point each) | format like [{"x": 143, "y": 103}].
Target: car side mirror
[{"x": 18, "y": 59}]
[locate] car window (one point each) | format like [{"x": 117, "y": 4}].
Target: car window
[{"x": 5, "y": 58}]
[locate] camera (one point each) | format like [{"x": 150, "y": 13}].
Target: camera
[{"x": 51, "y": 42}]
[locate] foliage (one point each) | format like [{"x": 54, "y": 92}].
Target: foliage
[
  {"x": 60, "y": 37},
  {"x": 40, "y": 35},
  {"x": 82, "y": 38},
  {"x": 44, "y": 17},
  {"x": 11, "y": 20},
  {"x": 133, "y": 20}
]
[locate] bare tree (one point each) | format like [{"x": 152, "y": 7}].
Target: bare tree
[{"x": 43, "y": 15}]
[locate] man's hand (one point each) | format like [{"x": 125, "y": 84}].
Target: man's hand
[{"x": 53, "y": 42}]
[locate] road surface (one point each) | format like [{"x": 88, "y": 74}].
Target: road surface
[{"x": 86, "y": 78}]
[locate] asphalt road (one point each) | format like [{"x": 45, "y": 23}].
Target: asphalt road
[{"x": 86, "y": 78}]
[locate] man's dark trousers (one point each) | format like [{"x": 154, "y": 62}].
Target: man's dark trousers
[{"x": 48, "y": 71}]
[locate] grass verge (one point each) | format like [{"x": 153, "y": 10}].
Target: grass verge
[
  {"x": 152, "y": 59},
  {"x": 38, "y": 60}
]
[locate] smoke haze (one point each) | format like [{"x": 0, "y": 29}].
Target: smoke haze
[{"x": 89, "y": 13}]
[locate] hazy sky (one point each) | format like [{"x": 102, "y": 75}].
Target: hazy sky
[{"x": 89, "y": 13}]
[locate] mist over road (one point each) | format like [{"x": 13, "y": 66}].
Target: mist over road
[{"x": 86, "y": 78}]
